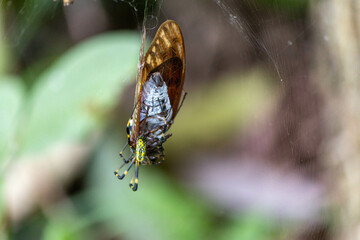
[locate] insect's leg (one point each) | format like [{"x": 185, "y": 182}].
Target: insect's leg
[
  {"x": 132, "y": 180},
  {"x": 165, "y": 126},
  {"x": 161, "y": 160},
  {"x": 156, "y": 141},
  {"x": 121, "y": 154},
  {"x": 162, "y": 155},
  {"x": 135, "y": 186},
  {"x": 117, "y": 170},
  {"x": 166, "y": 137},
  {"x": 163, "y": 112},
  {"x": 126, "y": 171}
]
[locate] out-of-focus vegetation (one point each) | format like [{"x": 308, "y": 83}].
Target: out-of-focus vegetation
[
  {"x": 254, "y": 91},
  {"x": 288, "y": 7},
  {"x": 243, "y": 161}
]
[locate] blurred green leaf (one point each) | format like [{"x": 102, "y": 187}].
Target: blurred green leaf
[
  {"x": 4, "y": 56},
  {"x": 11, "y": 97},
  {"x": 249, "y": 227},
  {"x": 2, "y": 211},
  {"x": 73, "y": 96},
  {"x": 63, "y": 228},
  {"x": 221, "y": 110},
  {"x": 158, "y": 210}
]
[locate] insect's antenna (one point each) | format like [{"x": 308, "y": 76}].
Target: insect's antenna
[
  {"x": 126, "y": 171},
  {"x": 135, "y": 186}
]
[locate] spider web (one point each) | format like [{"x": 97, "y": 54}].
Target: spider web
[
  {"x": 243, "y": 28},
  {"x": 287, "y": 133},
  {"x": 146, "y": 12},
  {"x": 294, "y": 111}
]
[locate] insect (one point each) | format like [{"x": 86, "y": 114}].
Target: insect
[{"x": 158, "y": 97}]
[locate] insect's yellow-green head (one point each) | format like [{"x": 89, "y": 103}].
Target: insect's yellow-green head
[{"x": 140, "y": 150}]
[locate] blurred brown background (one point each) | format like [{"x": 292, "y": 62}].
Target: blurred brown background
[{"x": 266, "y": 145}]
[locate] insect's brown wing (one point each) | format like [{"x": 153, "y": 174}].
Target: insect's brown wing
[
  {"x": 166, "y": 54},
  {"x": 134, "y": 133},
  {"x": 167, "y": 44}
]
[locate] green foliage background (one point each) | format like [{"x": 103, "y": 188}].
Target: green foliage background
[{"x": 71, "y": 101}]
